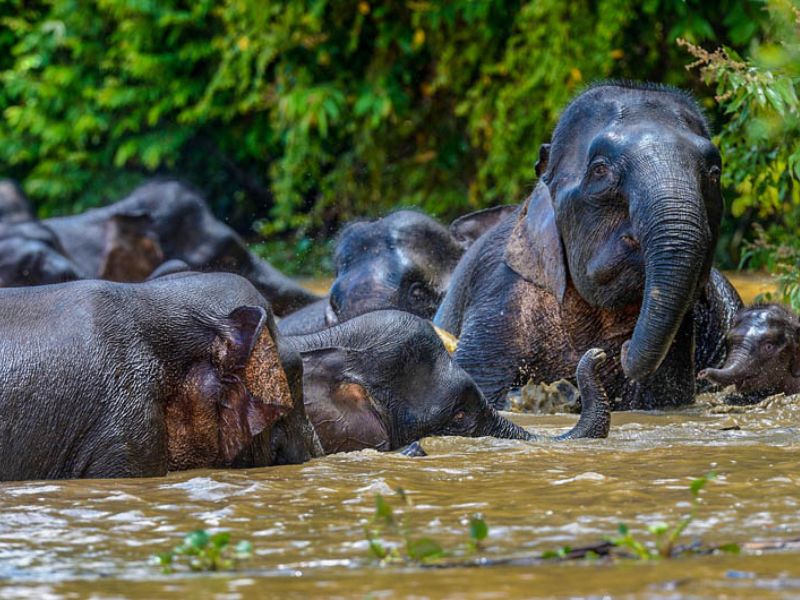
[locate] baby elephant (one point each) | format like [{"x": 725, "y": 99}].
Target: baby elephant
[
  {"x": 764, "y": 353},
  {"x": 101, "y": 379},
  {"x": 384, "y": 380}
]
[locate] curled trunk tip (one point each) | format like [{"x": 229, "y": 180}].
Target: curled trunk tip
[{"x": 595, "y": 419}]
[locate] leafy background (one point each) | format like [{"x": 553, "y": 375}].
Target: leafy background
[{"x": 294, "y": 116}]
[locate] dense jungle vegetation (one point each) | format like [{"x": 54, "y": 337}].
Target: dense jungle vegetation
[{"x": 294, "y": 116}]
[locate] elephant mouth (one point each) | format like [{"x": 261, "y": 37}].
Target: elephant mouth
[{"x": 621, "y": 263}]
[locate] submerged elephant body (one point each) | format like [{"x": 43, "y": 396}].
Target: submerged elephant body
[
  {"x": 384, "y": 380},
  {"x": 162, "y": 221},
  {"x": 99, "y": 379},
  {"x": 612, "y": 249}
]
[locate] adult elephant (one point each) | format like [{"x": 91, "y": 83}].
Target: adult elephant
[
  {"x": 383, "y": 380},
  {"x": 402, "y": 261},
  {"x": 612, "y": 249},
  {"x": 168, "y": 220},
  {"x": 103, "y": 379}
]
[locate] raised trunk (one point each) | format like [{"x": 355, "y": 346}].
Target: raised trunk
[
  {"x": 734, "y": 371},
  {"x": 677, "y": 241},
  {"x": 595, "y": 419}
]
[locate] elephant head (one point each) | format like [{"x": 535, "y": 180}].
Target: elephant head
[
  {"x": 763, "y": 352},
  {"x": 627, "y": 210},
  {"x": 30, "y": 254},
  {"x": 384, "y": 379},
  {"x": 402, "y": 261}
]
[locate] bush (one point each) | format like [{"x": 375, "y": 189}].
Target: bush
[
  {"x": 307, "y": 112},
  {"x": 760, "y": 141}
]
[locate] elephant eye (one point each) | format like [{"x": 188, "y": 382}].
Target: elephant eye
[
  {"x": 459, "y": 416},
  {"x": 599, "y": 170},
  {"x": 714, "y": 174},
  {"x": 768, "y": 347},
  {"x": 419, "y": 294}
]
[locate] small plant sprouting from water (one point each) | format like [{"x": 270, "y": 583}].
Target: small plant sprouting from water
[
  {"x": 392, "y": 540},
  {"x": 202, "y": 551},
  {"x": 664, "y": 541}
]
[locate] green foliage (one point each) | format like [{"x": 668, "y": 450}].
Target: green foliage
[
  {"x": 201, "y": 551},
  {"x": 760, "y": 138},
  {"x": 780, "y": 258},
  {"x": 304, "y": 113},
  {"x": 391, "y": 539}
]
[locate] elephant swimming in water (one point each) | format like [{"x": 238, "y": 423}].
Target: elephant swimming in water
[{"x": 612, "y": 249}]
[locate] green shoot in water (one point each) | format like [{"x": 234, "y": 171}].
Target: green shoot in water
[
  {"x": 391, "y": 539},
  {"x": 201, "y": 551},
  {"x": 665, "y": 537}
]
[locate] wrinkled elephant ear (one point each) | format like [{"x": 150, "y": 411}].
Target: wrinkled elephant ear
[
  {"x": 131, "y": 250},
  {"x": 244, "y": 347},
  {"x": 534, "y": 250},
  {"x": 468, "y": 228}
]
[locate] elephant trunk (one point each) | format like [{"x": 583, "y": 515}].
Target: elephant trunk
[
  {"x": 320, "y": 340},
  {"x": 495, "y": 425},
  {"x": 677, "y": 242},
  {"x": 734, "y": 371},
  {"x": 595, "y": 419}
]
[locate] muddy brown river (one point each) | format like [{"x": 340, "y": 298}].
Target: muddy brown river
[{"x": 93, "y": 538}]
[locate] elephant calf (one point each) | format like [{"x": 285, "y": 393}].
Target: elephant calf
[
  {"x": 764, "y": 353},
  {"x": 101, "y": 379},
  {"x": 384, "y": 379}
]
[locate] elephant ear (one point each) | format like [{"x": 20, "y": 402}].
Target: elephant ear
[
  {"x": 343, "y": 413},
  {"x": 534, "y": 250},
  {"x": 468, "y": 228},
  {"x": 245, "y": 352},
  {"x": 132, "y": 249}
]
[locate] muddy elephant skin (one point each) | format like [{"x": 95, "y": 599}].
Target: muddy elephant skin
[
  {"x": 101, "y": 379},
  {"x": 384, "y": 380},
  {"x": 612, "y": 249}
]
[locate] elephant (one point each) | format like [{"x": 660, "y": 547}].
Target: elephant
[
  {"x": 105, "y": 379},
  {"x": 402, "y": 261},
  {"x": 169, "y": 220},
  {"x": 764, "y": 355},
  {"x": 383, "y": 380},
  {"x": 30, "y": 254},
  {"x": 14, "y": 204},
  {"x": 612, "y": 249}
]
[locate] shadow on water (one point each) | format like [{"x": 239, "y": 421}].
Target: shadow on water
[{"x": 93, "y": 538}]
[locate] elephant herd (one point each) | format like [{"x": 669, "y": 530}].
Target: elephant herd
[{"x": 144, "y": 337}]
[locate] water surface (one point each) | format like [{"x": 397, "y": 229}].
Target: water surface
[{"x": 75, "y": 539}]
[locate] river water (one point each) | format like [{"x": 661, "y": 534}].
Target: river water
[{"x": 76, "y": 539}]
